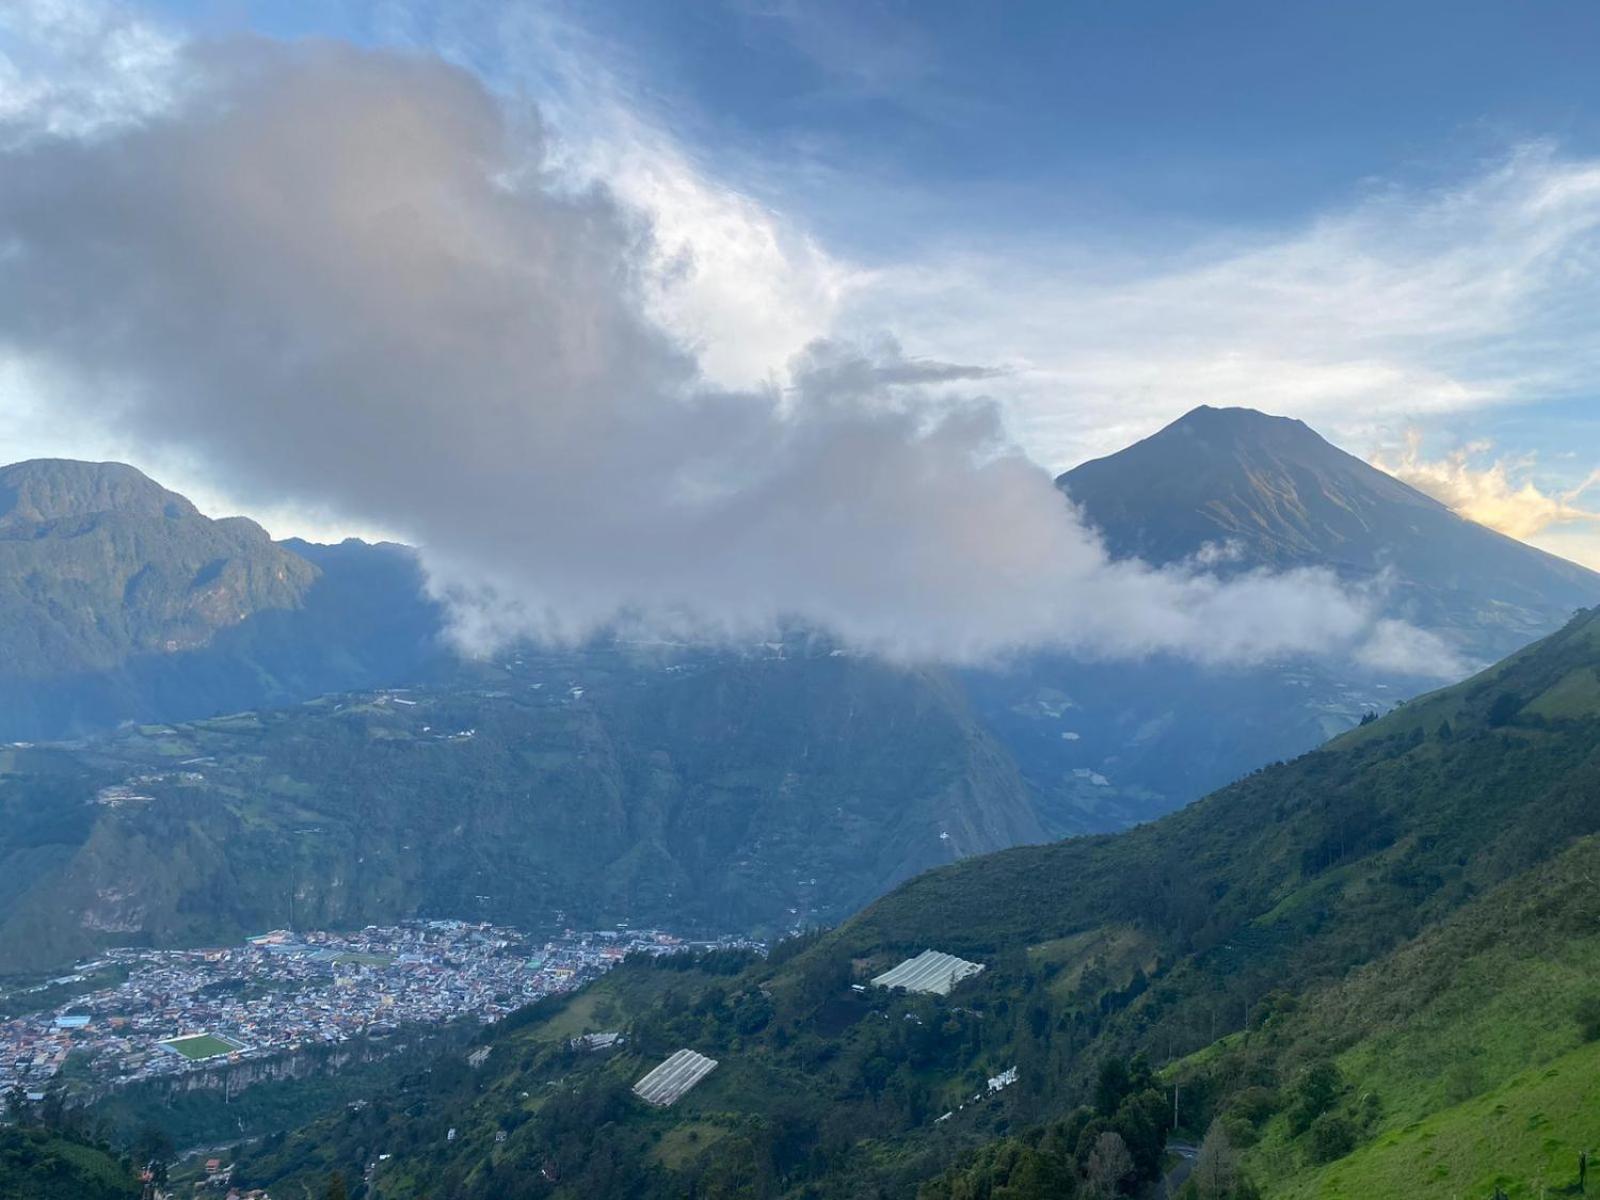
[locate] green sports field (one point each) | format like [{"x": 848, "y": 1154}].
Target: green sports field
[{"x": 201, "y": 1045}]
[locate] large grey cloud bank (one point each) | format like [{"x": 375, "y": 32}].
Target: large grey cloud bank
[{"x": 342, "y": 277}]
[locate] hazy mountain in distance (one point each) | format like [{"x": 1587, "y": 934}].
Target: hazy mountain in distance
[
  {"x": 122, "y": 602},
  {"x": 1271, "y": 492},
  {"x": 119, "y": 600},
  {"x": 1111, "y": 744}
]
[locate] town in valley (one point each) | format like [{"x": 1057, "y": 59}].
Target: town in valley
[{"x": 171, "y": 1011}]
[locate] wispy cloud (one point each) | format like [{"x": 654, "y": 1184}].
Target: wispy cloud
[
  {"x": 741, "y": 282},
  {"x": 74, "y": 66},
  {"x": 1404, "y": 305},
  {"x": 1491, "y": 491}
]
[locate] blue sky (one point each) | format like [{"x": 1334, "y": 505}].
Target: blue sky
[
  {"x": 1382, "y": 218},
  {"x": 1117, "y": 113}
]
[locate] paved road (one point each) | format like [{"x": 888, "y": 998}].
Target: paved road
[{"x": 1174, "y": 1179}]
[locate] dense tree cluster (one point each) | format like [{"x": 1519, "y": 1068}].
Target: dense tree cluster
[{"x": 1115, "y": 1147}]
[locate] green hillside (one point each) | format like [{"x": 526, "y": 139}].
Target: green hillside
[
  {"x": 1454, "y": 1040},
  {"x": 39, "y": 1165},
  {"x": 1337, "y": 956},
  {"x": 1523, "y": 1138}
]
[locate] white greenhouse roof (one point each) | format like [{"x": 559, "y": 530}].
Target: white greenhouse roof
[
  {"x": 930, "y": 971},
  {"x": 668, "y": 1082}
]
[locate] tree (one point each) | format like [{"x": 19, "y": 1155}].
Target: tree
[
  {"x": 1113, "y": 1086},
  {"x": 153, "y": 1148},
  {"x": 1217, "y": 1173},
  {"x": 1333, "y": 1135},
  {"x": 1506, "y": 706},
  {"x": 1588, "y": 1014},
  {"x": 1216, "y": 1170},
  {"x": 336, "y": 1188},
  {"x": 1109, "y": 1165},
  {"x": 1315, "y": 1093}
]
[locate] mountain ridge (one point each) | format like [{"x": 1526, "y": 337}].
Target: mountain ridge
[
  {"x": 99, "y": 563},
  {"x": 40, "y": 490},
  {"x": 120, "y": 600}
]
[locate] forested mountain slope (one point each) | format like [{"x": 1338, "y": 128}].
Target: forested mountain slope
[
  {"x": 719, "y": 794},
  {"x": 36, "y": 1164},
  {"x": 1427, "y": 1071},
  {"x": 1415, "y": 890}
]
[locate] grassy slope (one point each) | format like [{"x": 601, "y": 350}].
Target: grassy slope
[
  {"x": 1523, "y": 1137},
  {"x": 1451, "y": 1036}
]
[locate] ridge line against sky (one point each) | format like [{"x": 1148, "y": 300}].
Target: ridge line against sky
[{"x": 1432, "y": 315}]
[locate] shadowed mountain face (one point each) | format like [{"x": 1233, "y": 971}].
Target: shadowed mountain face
[
  {"x": 1271, "y": 484},
  {"x": 690, "y": 792},
  {"x": 1110, "y": 744},
  {"x": 119, "y": 601},
  {"x": 697, "y": 789}
]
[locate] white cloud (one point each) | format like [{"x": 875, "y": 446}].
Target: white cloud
[
  {"x": 1496, "y": 493},
  {"x": 75, "y": 66},
  {"x": 345, "y": 277},
  {"x": 1405, "y": 305},
  {"x": 743, "y": 284}
]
